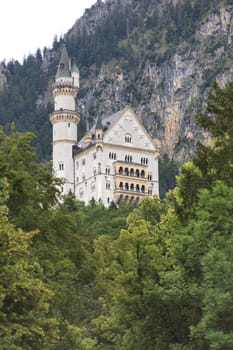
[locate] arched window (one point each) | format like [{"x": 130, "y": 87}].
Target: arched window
[
  {"x": 143, "y": 188},
  {"x": 142, "y": 173},
  {"x": 131, "y": 172},
  {"x": 121, "y": 185},
  {"x": 120, "y": 170},
  {"x": 127, "y": 186},
  {"x": 108, "y": 186},
  {"x": 126, "y": 171},
  {"x": 132, "y": 187}
]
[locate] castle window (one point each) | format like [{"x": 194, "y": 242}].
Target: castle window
[
  {"x": 112, "y": 155},
  {"x": 108, "y": 186},
  {"x": 83, "y": 161},
  {"x": 61, "y": 166},
  {"x": 128, "y": 158},
  {"x": 150, "y": 177},
  {"x": 108, "y": 200},
  {"x": 68, "y": 125},
  {"x": 144, "y": 161},
  {"x": 107, "y": 171},
  {"x": 128, "y": 138}
]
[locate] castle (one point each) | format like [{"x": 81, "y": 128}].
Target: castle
[{"x": 116, "y": 160}]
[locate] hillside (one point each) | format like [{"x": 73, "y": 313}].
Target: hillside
[{"x": 159, "y": 56}]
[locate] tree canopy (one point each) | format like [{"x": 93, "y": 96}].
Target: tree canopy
[{"x": 156, "y": 276}]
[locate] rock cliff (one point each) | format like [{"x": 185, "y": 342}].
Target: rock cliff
[{"x": 166, "y": 94}]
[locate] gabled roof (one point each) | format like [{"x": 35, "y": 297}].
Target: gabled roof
[
  {"x": 107, "y": 124},
  {"x": 64, "y": 65}
]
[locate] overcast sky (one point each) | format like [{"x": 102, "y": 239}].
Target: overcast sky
[{"x": 26, "y": 25}]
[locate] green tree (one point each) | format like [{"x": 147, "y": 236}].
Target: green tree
[
  {"x": 216, "y": 159},
  {"x": 32, "y": 187},
  {"x": 201, "y": 252},
  {"x": 24, "y": 298}
]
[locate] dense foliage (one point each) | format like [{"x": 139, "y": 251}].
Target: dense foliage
[{"x": 157, "y": 276}]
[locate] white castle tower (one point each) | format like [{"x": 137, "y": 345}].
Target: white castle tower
[{"x": 64, "y": 120}]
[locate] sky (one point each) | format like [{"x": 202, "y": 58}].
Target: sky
[{"x": 27, "y": 25}]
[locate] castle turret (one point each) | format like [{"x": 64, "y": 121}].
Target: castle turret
[{"x": 64, "y": 120}]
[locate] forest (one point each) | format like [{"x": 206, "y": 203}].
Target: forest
[{"x": 156, "y": 276}]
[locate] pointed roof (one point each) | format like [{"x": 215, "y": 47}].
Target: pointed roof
[
  {"x": 154, "y": 134},
  {"x": 99, "y": 123},
  {"x": 64, "y": 66},
  {"x": 75, "y": 68}
]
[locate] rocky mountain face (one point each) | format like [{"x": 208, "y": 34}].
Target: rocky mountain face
[
  {"x": 158, "y": 56},
  {"x": 166, "y": 94}
]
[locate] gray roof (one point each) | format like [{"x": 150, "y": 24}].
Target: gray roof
[
  {"x": 75, "y": 68},
  {"x": 105, "y": 125},
  {"x": 64, "y": 65},
  {"x": 99, "y": 123}
]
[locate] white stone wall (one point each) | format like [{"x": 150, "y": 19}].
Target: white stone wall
[
  {"x": 63, "y": 165},
  {"x": 95, "y": 174},
  {"x": 129, "y": 126},
  {"x": 64, "y": 102},
  {"x": 65, "y": 130}
]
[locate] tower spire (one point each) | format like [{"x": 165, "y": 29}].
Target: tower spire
[{"x": 63, "y": 70}]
